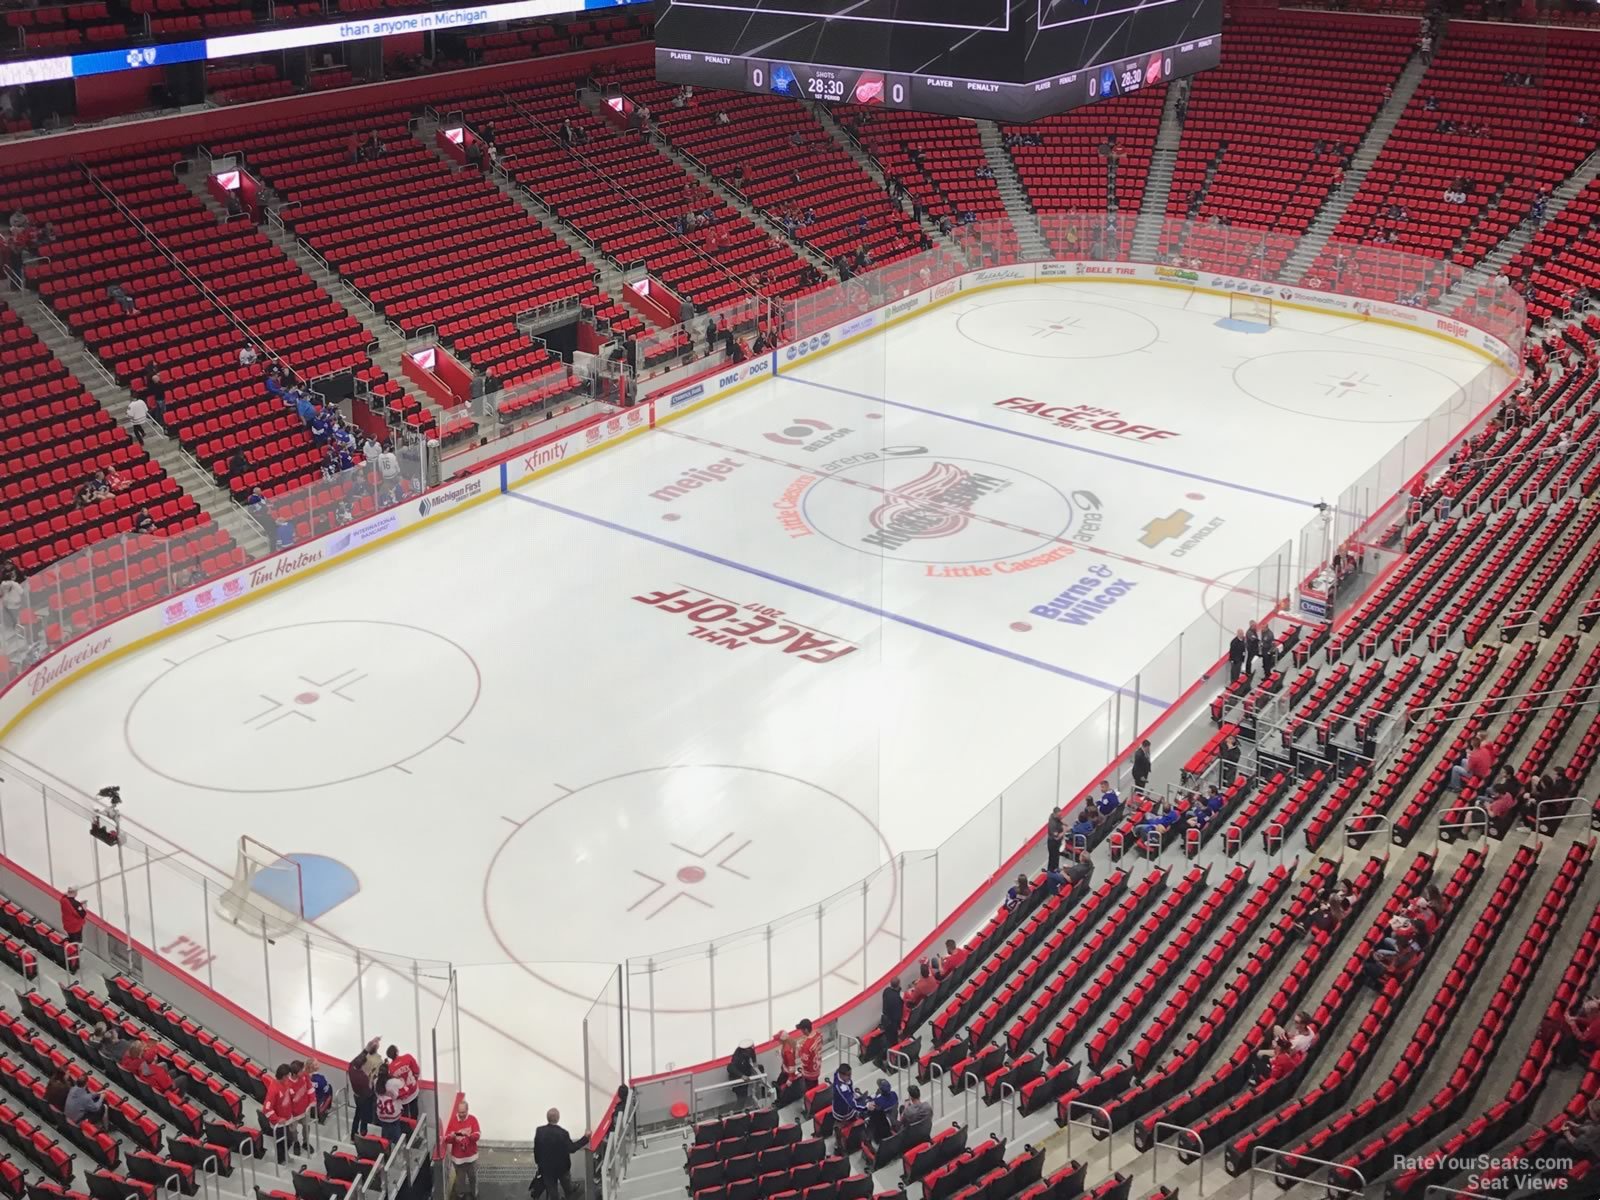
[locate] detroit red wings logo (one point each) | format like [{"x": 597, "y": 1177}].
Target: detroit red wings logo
[{"x": 919, "y": 508}]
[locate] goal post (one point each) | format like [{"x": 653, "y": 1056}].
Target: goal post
[
  {"x": 1257, "y": 310},
  {"x": 267, "y": 891}
]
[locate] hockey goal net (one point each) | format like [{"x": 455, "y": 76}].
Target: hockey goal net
[
  {"x": 266, "y": 894},
  {"x": 1255, "y": 309}
]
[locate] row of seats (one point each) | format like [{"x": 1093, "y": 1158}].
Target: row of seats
[{"x": 1392, "y": 1096}]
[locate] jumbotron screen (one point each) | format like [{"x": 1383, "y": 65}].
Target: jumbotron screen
[{"x": 1008, "y": 60}]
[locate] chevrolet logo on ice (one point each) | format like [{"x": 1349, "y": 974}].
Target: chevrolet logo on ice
[{"x": 1164, "y": 529}]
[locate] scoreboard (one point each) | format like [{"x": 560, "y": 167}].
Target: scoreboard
[{"x": 1008, "y": 60}]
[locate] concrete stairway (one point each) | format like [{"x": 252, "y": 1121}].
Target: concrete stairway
[
  {"x": 1012, "y": 192},
  {"x": 866, "y": 162},
  {"x": 1371, "y": 145},
  {"x": 390, "y": 342},
  {"x": 1517, "y": 240},
  {"x": 1158, "y": 181},
  {"x": 734, "y": 200},
  {"x": 114, "y": 398}
]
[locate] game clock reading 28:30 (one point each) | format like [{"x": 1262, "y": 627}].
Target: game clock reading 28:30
[
  {"x": 828, "y": 85},
  {"x": 1011, "y": 60}
]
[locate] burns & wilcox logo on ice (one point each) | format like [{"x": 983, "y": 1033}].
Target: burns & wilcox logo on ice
[
  {"x": 1087, "y": 418},
  {"x": 730, "y": 625},
  {"x": 936, "y": 504},
  {"x": 1098, "y": 589}
]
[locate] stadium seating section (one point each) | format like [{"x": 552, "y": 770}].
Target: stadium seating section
[{"x": 1138, "y": 1002}]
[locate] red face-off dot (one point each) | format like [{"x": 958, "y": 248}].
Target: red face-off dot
[
  {"x": 670, "y": 516},
  {"x": 691, "y": 874},
  {"x": 1021, "y": 626},
  {"x": 306, "y": 698},
  {"x": 1195, "y": 496}
]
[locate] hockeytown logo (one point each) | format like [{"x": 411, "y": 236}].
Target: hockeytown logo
[{"x": 936, "y": 504}]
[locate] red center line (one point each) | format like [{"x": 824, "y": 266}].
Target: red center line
[{"x": 894, "y": 495}]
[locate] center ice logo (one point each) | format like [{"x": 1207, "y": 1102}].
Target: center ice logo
[
  {"x": 960, "y": 517},
  {"x": 936, "y": 504}
]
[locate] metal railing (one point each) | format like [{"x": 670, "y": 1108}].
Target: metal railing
[
  {"x": 1072, "y": 1122},
  {"x": 1260, "y": 1152},
  {"x": 1198, "y": 1150}
]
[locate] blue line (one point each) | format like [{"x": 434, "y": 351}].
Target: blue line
[
  {"x": 884, "y": 614},
  {"x": 1034, "y": 437}
]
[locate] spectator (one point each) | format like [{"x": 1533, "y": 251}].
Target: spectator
[
  {"x": 74, "y": 913},
  {"x": 106, "y": 1046},
  {"x": 1214, "y": 800},
  {"x": 923, "y": 987},
  {"x": 788, "y": 1086},
  {"x": 121, "y": 296},
  {"x": 302, "y": 1098},
  {"x": 1388, "y": 964},
  {"x": 881, "y": 1111},
  {"x": 722, "y": 118},
  {"x": 1109, "y": 799},
  {"x": 1268, "y": 651},
  {"x": 362, "y": 1071},
  {"x": 1476, "y": 764},
  {"x": 138, "y": 413},
  {"x": 893, "y": 1012},
  {"x": 847, "y": 1106},
  {"x": 12, "y": 596},
  {"x": 1301, "y": 1034},
  {"x": 462, "y": 1140},
  {"x": 143, "y": 522},
  {"x": 1583, "y": 1024},
  {"x": 278, "y": 1108},
  {"x": 1080, "y": 869},
  {"x": 387, "y": 1105},
  {"x": 1083, "y": 829},
  {"x": 1578, "y": 1138},
  {"x": 1141, "y": 765},
  {"x": 742, "y": 1068},
  {"x": 1285, "y": 1060},
  {"x": 1016, "y": 894},
  {"x": 915, "y": 1111},
  {"x": 553, "y": 1149},
  {"x": 955, "y": 957},
  {"x": 248, "y": 354},
  {"x": 57, "y": 1090},
  {"x": 82, "y": 1104},
  {"x": 810, "y": 1054},
  {"x": 149, "y": 1068},
  {"x": 404, "y": 1067}
]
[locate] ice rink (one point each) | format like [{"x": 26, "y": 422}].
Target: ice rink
[{"x": 709, "y": 677}]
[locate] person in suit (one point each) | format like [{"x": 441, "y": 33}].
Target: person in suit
[
  {"x": 1141, "y": 765},
  {"x": 1055, "y": 831},
  {"x": 1252, "y": 647},
  {"x": 1236, "y": 656},
  {"x": 553, "y": 1148},
  {"x": 1269, "y": 650},
  {"x": 894, "y": 1012}
]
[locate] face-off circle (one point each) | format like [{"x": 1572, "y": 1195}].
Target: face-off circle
[
  {"x": 676, "y": 856},
  {"x": 1062, "y": 328},
  {"x": 1358, "y": 388},
  {"x": 932, "y": 508},
  {"x": 302, "y": 706}
]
